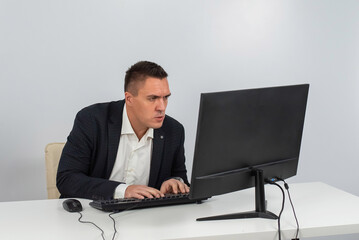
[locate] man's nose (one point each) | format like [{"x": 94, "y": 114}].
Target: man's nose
[{"x": 161, "y": 105}]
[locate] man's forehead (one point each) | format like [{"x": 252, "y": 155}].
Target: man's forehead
[{"x": 155, "y": 86}]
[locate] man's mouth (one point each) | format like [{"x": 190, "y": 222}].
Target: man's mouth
[{"x": 159, "y": 118}]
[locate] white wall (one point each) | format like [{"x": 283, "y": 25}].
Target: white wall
[{"x": 57, "y": 57}]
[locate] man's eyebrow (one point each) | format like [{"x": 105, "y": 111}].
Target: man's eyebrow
[{"x": 156, "y": 96}]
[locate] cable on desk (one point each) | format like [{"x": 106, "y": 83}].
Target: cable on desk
[
  {"x": 281, "y": 211},
  {"x": 114, "y": 224},
  {"x": 114, "y": 221},
  {"x": 291, "y": 203},
  {"x": 81, "y": 221}
]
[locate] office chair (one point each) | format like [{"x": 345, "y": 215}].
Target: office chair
[{"x": 52, "y": 157}]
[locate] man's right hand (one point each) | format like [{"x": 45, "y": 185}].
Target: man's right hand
[{"x": 142, "y": 191}]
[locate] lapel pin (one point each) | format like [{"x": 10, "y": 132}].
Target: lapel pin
[{"x": 161, "y": 137}]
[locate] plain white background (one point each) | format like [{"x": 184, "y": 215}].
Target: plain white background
[{"x": 57, "y": 57}]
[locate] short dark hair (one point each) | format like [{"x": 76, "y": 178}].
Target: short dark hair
[{"x": 139, "y": 72}]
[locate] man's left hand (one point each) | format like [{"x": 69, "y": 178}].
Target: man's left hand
[{"x": 174, "y": 186}]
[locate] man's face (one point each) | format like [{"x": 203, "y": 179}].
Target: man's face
[{"x": 147, "y": 109}]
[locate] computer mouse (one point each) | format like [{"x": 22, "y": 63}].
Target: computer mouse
[{"x": 72, "y": 205}]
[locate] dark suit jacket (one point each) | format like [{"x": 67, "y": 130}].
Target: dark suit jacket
[{"x": 90, "y": 152}]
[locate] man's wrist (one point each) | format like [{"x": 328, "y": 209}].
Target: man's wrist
[{"x": 120, "y": 191}]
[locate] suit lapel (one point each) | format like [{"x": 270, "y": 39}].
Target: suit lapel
[
  {"x": 158, "y": 142},
  {"x": 114, "y": 134}
]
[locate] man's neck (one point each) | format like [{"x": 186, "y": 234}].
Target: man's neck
[
  {"x": 140, "y": 134},
  {"x": 139, "y": 131}
]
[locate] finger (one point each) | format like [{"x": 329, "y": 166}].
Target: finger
[
  {"x": 181, "y": 187},
  {"x": 165, "y": 188},
  {"x": 141, "y": 191},
  {"x": 174, "y": 186},
  {"x": 137, "y": 195},
  {"x": 146, "y": 194},
  {"x": 155, "y": 192},
  {"x": 141, "y": 194},
  {"x": 151, "y": 192},
  {"x": 187, "y": 188}
]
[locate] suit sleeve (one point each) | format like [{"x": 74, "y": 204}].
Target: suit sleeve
[
  {"x": 179, "y": 167},
  {"x": 73, "y": 176}
]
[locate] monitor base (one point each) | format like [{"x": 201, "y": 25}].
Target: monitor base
[
  {"x": 260, "y": 202},
  {"x": 251, "y": 214}
]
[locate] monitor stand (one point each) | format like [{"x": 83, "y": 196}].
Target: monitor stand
[{"x": 260, "y": 211}]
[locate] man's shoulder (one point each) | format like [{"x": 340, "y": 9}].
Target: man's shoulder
[
  {"x": 171, "y": 123},
  {"x": 102, "y": 108}
]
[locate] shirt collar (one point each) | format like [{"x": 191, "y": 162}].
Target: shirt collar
[{"x": 127, "y": 128}]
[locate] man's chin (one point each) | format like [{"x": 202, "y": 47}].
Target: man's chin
[
  {"x": 157, "y": 125},
  {"x": 158, "y": 122}
]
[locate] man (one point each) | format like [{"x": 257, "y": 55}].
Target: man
[{"x": 128, "y": 148}]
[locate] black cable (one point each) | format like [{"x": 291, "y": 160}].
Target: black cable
[
  {"x": 114, "y": 224},
  {"x": 291, "y": 203},
  {"x": 295, "y": 215},
  {"x": 281, "y": 211},
  {"x": 102, "y": 232},
  {"x": 114, "y": 221}
]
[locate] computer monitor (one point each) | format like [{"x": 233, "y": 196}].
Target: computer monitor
[{"x": 244, "y": 138}]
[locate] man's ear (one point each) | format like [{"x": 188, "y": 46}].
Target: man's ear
[{"x": 128, "y": 98}]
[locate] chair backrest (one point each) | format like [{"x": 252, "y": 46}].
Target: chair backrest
[{"x": 52, "y": 157}]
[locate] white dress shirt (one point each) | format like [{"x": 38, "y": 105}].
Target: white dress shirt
[{"x": 132, "y": 165}]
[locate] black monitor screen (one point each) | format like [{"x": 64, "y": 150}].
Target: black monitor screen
[{"x": 239, "y": 131}]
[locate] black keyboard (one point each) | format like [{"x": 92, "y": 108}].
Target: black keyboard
[{"x": 121, "y": 204}]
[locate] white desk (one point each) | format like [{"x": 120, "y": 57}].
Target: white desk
[{"x": 321, "y": 209}]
